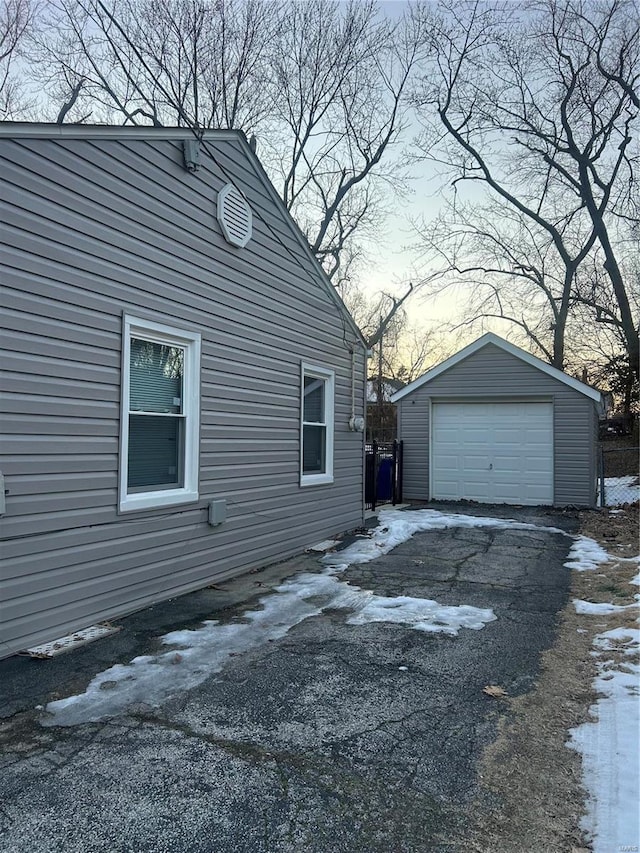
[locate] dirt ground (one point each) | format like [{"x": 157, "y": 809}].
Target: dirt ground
[{"x": 532, "y": 798}]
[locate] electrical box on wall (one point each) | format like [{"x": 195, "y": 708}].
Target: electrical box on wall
[{"x": 217, "y": 512}]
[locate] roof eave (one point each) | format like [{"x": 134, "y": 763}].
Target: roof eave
[{"x": 43, "y": 130}]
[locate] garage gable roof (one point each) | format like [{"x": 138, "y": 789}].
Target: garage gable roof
[{"x": 490, "y": 338}]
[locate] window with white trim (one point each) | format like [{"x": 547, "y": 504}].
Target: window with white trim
[
  {"x": 316, "y": 434},
  {"x": 160, "y": 415}
]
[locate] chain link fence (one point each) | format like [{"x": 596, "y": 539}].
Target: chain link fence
[{"x": 619, "y": 481}]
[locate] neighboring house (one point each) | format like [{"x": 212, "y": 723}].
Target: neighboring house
[
  {"x": 494, "y": 424},
  {"x": 183, "y": 386}
]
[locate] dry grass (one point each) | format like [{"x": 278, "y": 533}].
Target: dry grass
[{"x": 532, "y": 797}]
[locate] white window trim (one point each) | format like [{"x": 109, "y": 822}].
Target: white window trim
[
  {"x": 329, "y": 418},
  {"x": 135, "y": 327}
]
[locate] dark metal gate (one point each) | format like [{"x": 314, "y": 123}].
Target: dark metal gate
[{"x": 383, "y": 473}]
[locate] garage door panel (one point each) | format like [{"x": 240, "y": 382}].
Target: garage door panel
[
  {"x": 475, "y": 492},
  {"x": 535, "y": 436},
  {"x": 502, "y": 462},
  {"x": 448, "y": 464},
  {"x": 507, "y": 436},
  {"x": 449, "y": 490},
  {"x": 534, "y": 466},
  {"x": 493, "y": 452},
  {"x": 471, "y": 462},
  {"x": 506, "y": 495}
]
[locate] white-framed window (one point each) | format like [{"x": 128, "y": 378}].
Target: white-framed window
[
  {"x": 316, "y": 429},
  {"x": 160, "y": 415}
]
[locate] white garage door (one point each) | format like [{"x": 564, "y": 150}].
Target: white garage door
[{"x": 492, "y": 452}]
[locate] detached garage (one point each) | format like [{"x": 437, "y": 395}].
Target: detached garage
[{"x": 494, "y": 424}]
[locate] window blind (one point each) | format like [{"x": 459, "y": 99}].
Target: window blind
[{"x": 155, "y": 382}]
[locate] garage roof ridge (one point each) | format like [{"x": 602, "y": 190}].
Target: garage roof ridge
[{"x": 523, "y": 355}]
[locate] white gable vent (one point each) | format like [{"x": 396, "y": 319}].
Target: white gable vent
[{"x": 234, "y": 215}]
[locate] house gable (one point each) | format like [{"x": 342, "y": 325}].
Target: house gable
[{"x": 235, "y": 162}]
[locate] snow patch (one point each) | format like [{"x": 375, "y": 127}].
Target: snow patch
[
  {"x": 199, "y": 653},
  {"x": 421, "y": 614},
  {"x": 624, "y": 640},
  {"x": 586, "y": 554},
  {"x": 609, "y": 747},
  {"x": 590, "y": 608},
  {"x": 196, "y": 655},
  {"x": 396, "y": 526}
]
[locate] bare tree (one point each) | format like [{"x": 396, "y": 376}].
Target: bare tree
[
  {"x": 323, "y": 85},
  {"x": 600, "y": 358},
  {"x": 16, "y": 19},
  {"x": 504, "y": 267},
  {"x": 342, "y": 75},
  {"x": 162, "y": 62},
  {"x": 417, "y": 349},
  {"x": 538, "y": 104},
  {"x": 407, "y": 348},
  {"x": 595, "y": 307}
]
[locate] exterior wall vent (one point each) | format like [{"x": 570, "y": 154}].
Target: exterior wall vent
[{"x": 234, "y": 216}]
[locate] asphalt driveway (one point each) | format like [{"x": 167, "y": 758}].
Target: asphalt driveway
[{"x": 332, "y": 737}]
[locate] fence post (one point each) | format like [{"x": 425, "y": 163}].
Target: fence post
[
  {"x": 394, "y": 478},
  {"x": 400, "y": 468},
  {"x": 601, "y": 467},
  {"x": 374, "y": 445}
]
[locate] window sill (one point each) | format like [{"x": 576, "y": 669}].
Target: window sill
[
  {"x": 316, "y": 480},
  {"x": 157, "y": 500}
]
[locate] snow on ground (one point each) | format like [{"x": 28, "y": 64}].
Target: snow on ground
[
  {"x": 601, "y": 608},
  {"x": 609, "y": 747},
  {"x": 396, "y": 526},
  {"x": 608, "y": 744},
  {"x": 621, "y": 490},
  {"x": 197, "y": 654},
  {"x": 585, "y": 554}
]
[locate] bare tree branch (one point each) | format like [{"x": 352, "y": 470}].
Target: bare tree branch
[{"x": 540, "y": 108}]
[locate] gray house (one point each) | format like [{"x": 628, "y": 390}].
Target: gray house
[
  {"x": 494, "y": 424},
  {"x": 184, "y": 389}
]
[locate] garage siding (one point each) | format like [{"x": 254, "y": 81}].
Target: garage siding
[
  {"x": 413, "y": 428},
  {"x": 491, "y": 374}
]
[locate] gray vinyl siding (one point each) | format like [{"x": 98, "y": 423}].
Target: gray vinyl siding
[
  {"x": 96, "y": 228},
  {"x": 413, "y": 430},
  {"x": 493, "y": 374}
]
